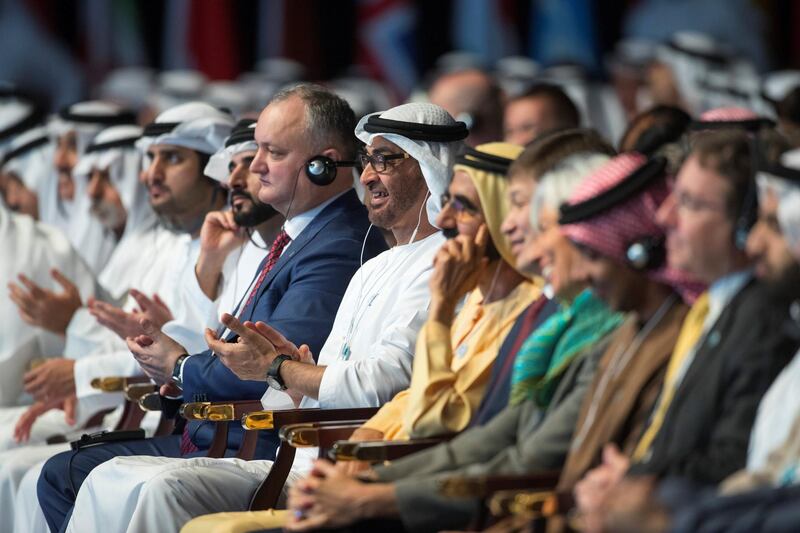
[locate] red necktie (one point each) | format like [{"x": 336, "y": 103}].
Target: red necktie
[
  {"x": 275, "y": 251},
  {"x": 280, "y": 242}
]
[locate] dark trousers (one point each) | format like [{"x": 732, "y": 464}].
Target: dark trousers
[{"x": 63, "y": 475}]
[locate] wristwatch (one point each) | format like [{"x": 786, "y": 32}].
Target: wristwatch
[
  {"x": 176, "y": 371},
  {"x": 274, "y": 378}
]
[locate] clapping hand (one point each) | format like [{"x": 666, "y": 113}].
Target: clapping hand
[
  {"x": 252, "y": 353},
  {"x": 127, "y": 324},
  {"x": 155, "y": 352},
  {"x": 44, "y": 308}
]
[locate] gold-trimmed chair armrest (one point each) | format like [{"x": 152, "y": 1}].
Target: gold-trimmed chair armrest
[
  {"x": 379, "y": 451},
  {"x": 135, "y": 391},
  {"x": 318, "y": 434},
  {"x": 540, "y": 503},
  {"x": 261, "y": 420},
  {"x": 117, "y": 383},
  {"x": 484, "y": 486},
  {"x": 219, "y": 411}
]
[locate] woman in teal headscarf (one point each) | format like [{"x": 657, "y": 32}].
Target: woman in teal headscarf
[{"x": 582, "y": 321}]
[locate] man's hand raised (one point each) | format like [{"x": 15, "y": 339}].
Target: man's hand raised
[
  {"x": 153, "y": 309},
  {"x": 53, "y": 380},
  {"x": 219, "y": 236},
  {"x": 457, "y": 267},
  {"x": 44, "y": 308},
  {"x": 126, "y": 324},
  {"x": 22, "y": 430},
  {"x": 155, "y": 352}
]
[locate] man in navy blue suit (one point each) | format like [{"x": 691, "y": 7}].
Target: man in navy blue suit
[{"x": 302, "y": 134}]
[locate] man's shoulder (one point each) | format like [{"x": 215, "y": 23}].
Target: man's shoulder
[{"x": 754, "y": 304}]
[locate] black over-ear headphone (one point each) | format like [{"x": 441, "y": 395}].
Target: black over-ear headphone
[
  {"x": 646, "y": 253},
  {"x": 321, "y": 170}
]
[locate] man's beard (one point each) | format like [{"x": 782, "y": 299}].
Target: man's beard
[
  {"x": 401, "y": 200},
  {"x": 257, "y": 213},
  {"x": 786, "y": 288},
  {"x": 110, "y": 216}
]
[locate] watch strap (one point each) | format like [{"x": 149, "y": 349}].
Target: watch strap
[
  {"x": 177, "y": 370},
  {"x": 274, "y": 372}
]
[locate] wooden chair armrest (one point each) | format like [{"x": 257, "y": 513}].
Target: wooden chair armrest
[
  {"x": 277, "y": 419},
  {"x": 117, "y": 383},
  {"x": 378, "y": 451},
  {"x": 219, "y": 411},
  {"x": 484, "y": 486}
]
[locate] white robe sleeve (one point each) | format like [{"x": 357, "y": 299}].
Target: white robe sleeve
[{"x": 118, "y": 363}]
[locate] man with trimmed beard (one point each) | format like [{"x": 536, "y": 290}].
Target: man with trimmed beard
[
  {"x": 365, "y": 360},
  {"x": 232, "y": 242},
  {"x": 303, "y": 136}
]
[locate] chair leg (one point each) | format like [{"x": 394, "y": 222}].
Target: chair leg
[
  {"x": 166, "y": 425},
  {"x": 131, "y": 417},
  {"x": 269, "y": 492},
  {"x": 220, "y": 442},
  {"x": 247, "y": 449}
]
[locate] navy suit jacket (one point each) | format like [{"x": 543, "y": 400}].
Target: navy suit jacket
[{"x": 299, "y": 298}]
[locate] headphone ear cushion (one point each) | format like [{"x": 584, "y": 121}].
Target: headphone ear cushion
[
  {"x": 321, "y": 170},
  {"x": 646, "y": 254}
]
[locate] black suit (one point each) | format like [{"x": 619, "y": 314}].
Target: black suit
[{"x": 705, "y": 433}]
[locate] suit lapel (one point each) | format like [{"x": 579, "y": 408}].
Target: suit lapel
[
  {"x": 710, "y": 345},
  {"x": 307, "y": 236}
]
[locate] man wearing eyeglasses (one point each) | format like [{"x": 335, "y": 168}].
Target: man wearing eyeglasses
[
  {"x": 365, "y": 360},
  {"x": 732, "y": 343}
]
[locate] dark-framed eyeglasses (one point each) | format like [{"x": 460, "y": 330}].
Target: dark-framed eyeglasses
[{"x": 378, "y": 161}]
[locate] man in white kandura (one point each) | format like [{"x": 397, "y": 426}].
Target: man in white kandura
[{"x": 365, "y": 361}]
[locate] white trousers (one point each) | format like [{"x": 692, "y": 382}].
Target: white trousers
[
  {"x": 145, "y": 494},
  {"x": 29, "y": 517},
  {"x": 19, "y": 472}
]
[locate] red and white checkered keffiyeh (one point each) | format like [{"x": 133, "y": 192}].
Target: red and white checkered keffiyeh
[{"x": 611, "y": 232}]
